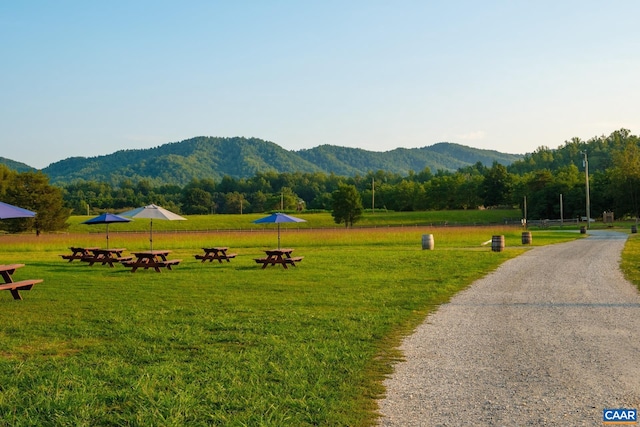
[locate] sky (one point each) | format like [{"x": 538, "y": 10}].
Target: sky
[{"x": 88, "y": 78}]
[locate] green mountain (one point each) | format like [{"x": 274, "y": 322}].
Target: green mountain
[
  {"x": 213, "y": 157},
  {"x": 441, "y": 156},
  {"x": 16, "y": 166}
]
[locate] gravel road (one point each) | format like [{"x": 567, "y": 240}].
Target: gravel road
[{"x": 551, "y": 338}]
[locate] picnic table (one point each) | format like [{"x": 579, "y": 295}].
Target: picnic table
[
  {"x": 155, "y": 259},
  {"x": 106, "y": 256},
  {"x": 219, "y": 253},
  {"x": 15, "y": 287},
  {"x": 278, "y": 256},
  {"x": 79, "y": 253}
]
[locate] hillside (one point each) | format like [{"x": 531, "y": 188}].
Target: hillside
[
  {"x": 214, "y": 157},
  {"x": 16, "y": 166}
]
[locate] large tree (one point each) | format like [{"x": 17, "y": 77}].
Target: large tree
[
  {"x": 347, "y": 205},
  {"x": 31, "y": 190}
]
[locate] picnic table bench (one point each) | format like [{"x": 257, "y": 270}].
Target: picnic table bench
[
  {"x": 106, "y": 256},
  {"x": 155, "y": 259},
  {"x": 219, "y": 253},
  {"x": 78, "y": 253},
  {"x": 15, "y": 287},
  {"x": 278, "y": 256}
]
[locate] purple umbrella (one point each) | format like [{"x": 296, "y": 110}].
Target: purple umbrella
[
  {"x": 106, "y": 218},
  {"x": 278, "y": 218},
  {"x": 9, "y": 211}
]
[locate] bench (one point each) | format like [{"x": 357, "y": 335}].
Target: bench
[
  {"x": 16, "y": 287},
  {"x": 72, "y": 257},
  {"x": 106, "y": 259},
  {"x": 134, "y": 265},
  {"x": 293, "y": 260},
  {"x": 168, "y": 263},
  {"x": 273, "y": 261},
  {"x": 220, "y": 258}
]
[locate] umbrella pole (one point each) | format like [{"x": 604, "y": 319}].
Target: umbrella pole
[
  {"x": 107, "y": 235},
  {"x": 151, "y": 233},
  {"x": 278, "y": 236}
]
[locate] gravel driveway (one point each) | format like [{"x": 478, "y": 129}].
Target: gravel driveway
[{"x": 551, "y": 338}]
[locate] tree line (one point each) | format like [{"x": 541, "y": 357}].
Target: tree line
[{"x": 550, "y": 180}]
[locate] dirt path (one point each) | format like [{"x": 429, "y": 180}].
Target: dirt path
[{"x": 551, "y": 338}]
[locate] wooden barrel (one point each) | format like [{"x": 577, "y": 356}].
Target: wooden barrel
[
  {"x": 583, "y": 230},
  {"x": 427, "y": 241},
  {"x": 497, "y": 243},
  {"x": 634, "y": 229},
  {"x": 526, "y": 238}
]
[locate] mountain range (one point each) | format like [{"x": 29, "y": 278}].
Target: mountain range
[{"x": 238, "y": 157}]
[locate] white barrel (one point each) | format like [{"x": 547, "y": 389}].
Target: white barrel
[{"x": 427, "y": 241}]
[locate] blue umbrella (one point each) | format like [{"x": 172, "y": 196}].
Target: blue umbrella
[
  {"x": 106, "y": 218},
  {"x": 8, "y": 211},
  {"x": 278, "y": 218}
]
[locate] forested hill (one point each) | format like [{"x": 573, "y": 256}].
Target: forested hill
[
  {"x": 16, "y": 166},
  {"x": 212, "y": 157}
]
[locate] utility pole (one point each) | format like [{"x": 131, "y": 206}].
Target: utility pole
[
  {"x": 561, "y": 212},
  {"x": 586, "y": 175}
]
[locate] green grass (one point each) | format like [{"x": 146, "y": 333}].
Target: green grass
[
  {"x": 226, "y": 344},
  {"x": 219, "y": 222},
  {"x": 631, "y": 260}
]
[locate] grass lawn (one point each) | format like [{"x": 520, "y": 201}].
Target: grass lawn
[{"x": 225, "y": 344}]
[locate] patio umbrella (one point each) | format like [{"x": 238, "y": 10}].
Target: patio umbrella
[
  {"x": 278, "y": 218},
  {"x": 8, "y": 211},
  {"x": 153, "y": 212},
  {"x": 106, "y": 218}
]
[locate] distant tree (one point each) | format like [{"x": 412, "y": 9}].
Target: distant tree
[
  {"x": 347, "y": 205},
  {"x": 6, "y": 177},
  {"x": 624, "y": 178},
  {"x": 258, "y": 201},
  {"x": 196, "y": 201},
  {"x": 441, "y": 191},
  {"x": 235, "y": 203},
  {"x": 497, "y": 185}
]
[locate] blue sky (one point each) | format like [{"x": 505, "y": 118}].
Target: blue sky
[{"x": 87, "y": 78}]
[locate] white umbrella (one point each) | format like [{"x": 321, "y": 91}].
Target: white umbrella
[{"x": 153, "y": 212}]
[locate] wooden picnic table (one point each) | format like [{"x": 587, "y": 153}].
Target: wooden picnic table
[
  {"x": 278, "y": 256},
  {"x": 219, "y": 253},
  {"x": 106, "y": 256},
  {"x": 155, "y": 259},
  {"x": 79, "y": 253},
  {"x": 15, "y": 287}
]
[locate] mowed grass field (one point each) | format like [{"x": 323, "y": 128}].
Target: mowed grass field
[{"x": 226, "y": 344}]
